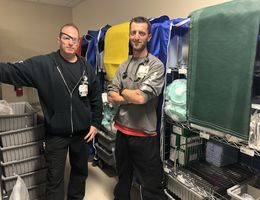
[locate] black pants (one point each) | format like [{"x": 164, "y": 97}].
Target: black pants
[
  {"x": 55, "y": 154},
  {"x": 141, "y": 156}
]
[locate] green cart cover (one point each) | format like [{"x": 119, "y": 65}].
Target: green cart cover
[{"x": 223, "y": 41}]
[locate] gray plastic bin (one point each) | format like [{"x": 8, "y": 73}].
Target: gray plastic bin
[
  {"x": 23, "y": 166},
  {"x": 106, "y": 139},
  {"x": 19, "y": 152},
  {"x": 24, "y": 116},
  {"x": 30, "y": 179},
  {"x": 37, "y": 191},
  {"x": 22, "y": 136},
  {"x": 181, "y": 190},
  {"x": 251, "y": 188},
  {"x": 107, "y": 157}
]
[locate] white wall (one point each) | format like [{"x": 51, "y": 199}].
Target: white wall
[
  {"x": 28, "y": 29},
  {"x": 93, "y": 14}
]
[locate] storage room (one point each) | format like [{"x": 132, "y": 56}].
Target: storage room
[{"x": 129, "y": 100}]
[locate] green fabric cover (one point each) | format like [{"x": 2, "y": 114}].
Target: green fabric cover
[{"x": 223, "y": 41}]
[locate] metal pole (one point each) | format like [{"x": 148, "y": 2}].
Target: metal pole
[{"x": 1, "y": 97}]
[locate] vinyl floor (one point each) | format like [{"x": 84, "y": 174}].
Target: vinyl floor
[{"x": 101, "y": 182}]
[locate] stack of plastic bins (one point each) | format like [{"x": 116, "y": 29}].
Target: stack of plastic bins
[
  {"x": 246, "y": 190},
  {"x": 106, "y": 147},
  {"x": 20, "y": 151}
]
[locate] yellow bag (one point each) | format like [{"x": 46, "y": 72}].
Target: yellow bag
[{"x": 116, "y": 48}]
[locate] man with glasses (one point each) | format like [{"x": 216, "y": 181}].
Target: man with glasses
[
  {"x": 135, "y": 89},
  {"x": 70, "y": 97}
]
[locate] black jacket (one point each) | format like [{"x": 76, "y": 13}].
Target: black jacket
[{"x": 65, "y": 111}]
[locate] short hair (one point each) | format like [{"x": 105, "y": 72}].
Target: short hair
[
  {"x": 141, "y": 19},
  {"x": 69, "y": 25}
]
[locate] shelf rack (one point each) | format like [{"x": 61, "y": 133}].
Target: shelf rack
[
  {"x": 208, "y": 133},
  {"x": 234, "y": 141}
]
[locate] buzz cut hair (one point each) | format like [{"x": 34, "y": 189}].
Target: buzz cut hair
[
  {"x": 69, "y": 25},
  {"x": 141, "y": 19}
]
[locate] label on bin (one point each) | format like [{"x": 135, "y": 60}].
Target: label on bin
[
  {"x": 247, "y": 151},
  {"x": 204, "y": 135}
]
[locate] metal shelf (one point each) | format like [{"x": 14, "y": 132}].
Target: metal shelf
[
  {"x": 187, "y": 185},
  {"x": 208, "y": 133},
  {"x": 234, "y": 141},
  {"x": 201, "y": 180}
]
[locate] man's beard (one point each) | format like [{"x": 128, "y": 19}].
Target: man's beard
[{"x": 139, "y": 49}]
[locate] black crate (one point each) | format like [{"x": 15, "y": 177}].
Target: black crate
[
  {"x": 106, "y": 139},
  {"x": 106, "y": 156}
]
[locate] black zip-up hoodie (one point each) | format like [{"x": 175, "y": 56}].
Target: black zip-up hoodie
[{"x": 65, "y": 111}]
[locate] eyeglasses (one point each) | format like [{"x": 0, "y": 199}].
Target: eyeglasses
[{"x": 68, "y": 37}]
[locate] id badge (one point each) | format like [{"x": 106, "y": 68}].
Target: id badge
[
  {"x": 83, "y": 90},
  {"x": 142, "y": 71}
]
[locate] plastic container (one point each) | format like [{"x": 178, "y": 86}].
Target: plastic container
[
  {"x": 23, "y": 166},
  {"x": 106, "y": 156},
  {"x": 22, "y": 136},
  {"x": 250, "y": 189},
  {"x": 13, "y": 153},
  {"x": 30, "y": 179},
  {"x": 24, "y": 116},
  {"x": 181, "y": 190},
  {"x": 37, "y": 191},
  {"x": 107, "y": 139}
]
